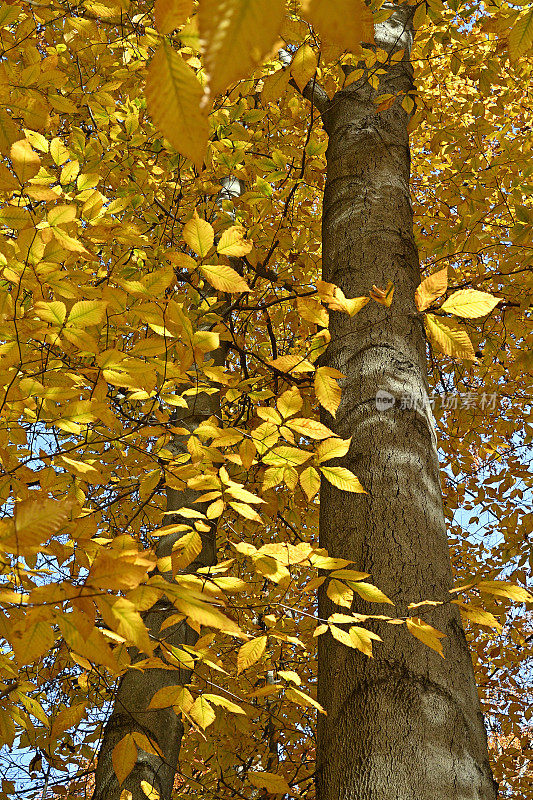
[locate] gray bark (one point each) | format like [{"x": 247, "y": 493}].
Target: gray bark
[{"x": 405, "y": 725}]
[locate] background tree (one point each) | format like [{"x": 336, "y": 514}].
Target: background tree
[{"x": 109, "y": 320}]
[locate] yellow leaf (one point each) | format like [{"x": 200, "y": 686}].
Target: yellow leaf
[
  {"x": 149, "y": 791},
  {"x": 130, "y": 625},
  {"x": 290, "y": 675},
  {"x": 185, "y": 550},
  {"x": 332, "y": 448},
  {"x": 233, "y": 243},
  {"x": 290, "y": 402},
  {"x": 426, "y": 633},
  {"x": 303, "y": 65},
  {"x": 450, "y": 337},
  {"x": 431, "y": 288},
  {"x": 87, "y": 472},
  {"x": 245, "y": 511},
  {"x": 310, "y": 428},
  {"x": 362, "y": 639},
  {"x": 480, "y": 617},
  {"x": 58, "y": 151},
  {"x": 173, "y": 95},
  {"x": 505, "y": 589},
  {"x": 124, "y": 756},
  {"x": 59, "y": 215},
  {"x": 69, "y": 242},
  {"x": 470, "y": 303},
  {"x": 224, "y": 278},
  {"x": 217, "y": 700},
  {"x": 67, "y": 718},
  {"x": 202, "y": 713},
  {"x": 199, "y": 235},
  {"x": 342, "y": 478},
  {"x": 339, "y": 593},
  {"x": 369, "y": 592},
  {"x": 345, "y": 23},
  {"x": 170, "y": 14},
  {"x": 54, "y": 311},
  {"x": 36, "y": 640},
  {"x": 310, "y": 482},
  {"x": 285, "y": 456},
  {"x": 274, "y": 784},
  {"x": 204, "y": 614},
  {"x": 383, "y": 296},
  {"x": 250, "y": 653},
  {"x": 87, "y": 312},
  {"x": 327, "y": 390},
  {"x": 235, "y": 35},
  {"x": 521, "y": 35},
  {"x": 175, "y": 696},
  {"x": 302, "y": 699},
  {"x": 274, "y": 85},
  {"x": 7, "y": 728},
  {"x": 37, "y": 518},
  {"x": 26, "y": 162}
]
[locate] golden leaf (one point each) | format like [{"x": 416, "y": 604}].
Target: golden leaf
[
  {"x": 199, "y": 235},
  {"x": 345, "y": 23},
  {"x": 250, "y": 653},
  {"x": 426, "y": 633},
  {"x": 431, "y": 288},
  {"x": 173, "y": 95},
  {"x": 327, "y": 390},
  {"x": 170, "y": 14},
  {"x": 25, "y": 160},
  {"x": 274, "y": 784},
  {"x": 343, "y": 479},
  {"x": 202, "y": 712},
  {"x": 303, "y": 65},
  {"x": 235, "y": 36},
  {"x": 124, "y": 757},
  {"x": 450, "y": 337},
  {"x": 233, "y": 243}
]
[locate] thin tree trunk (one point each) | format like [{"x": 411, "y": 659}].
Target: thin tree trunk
[
  {"x": 405, "y": 725},
  {"x": 130, "y": 712}
]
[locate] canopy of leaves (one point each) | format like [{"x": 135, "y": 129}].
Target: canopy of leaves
[{"x": 122, "y": 271}]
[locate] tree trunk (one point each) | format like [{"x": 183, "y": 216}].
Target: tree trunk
[
  {"x": 136, "y": 689},
  {"x": 405, "y": 725}
]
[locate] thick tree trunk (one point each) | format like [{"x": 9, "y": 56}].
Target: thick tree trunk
[{"x": 405, "y": 725}]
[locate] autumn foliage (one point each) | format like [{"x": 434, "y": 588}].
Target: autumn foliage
[{"x": 125, "y": 270}]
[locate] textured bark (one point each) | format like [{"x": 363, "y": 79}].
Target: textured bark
[{"x": 405, "y": 725}]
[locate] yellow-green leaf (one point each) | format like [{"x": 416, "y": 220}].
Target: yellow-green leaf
[
  {"x": 310, "y": 428},
  {"x": 54, "y": 311},
  {"x": 149, "y": 791},
  {"x": 470, "y": 303},
  {"x": 235, "y": 35},
  {"x": 369, "y": 592},
  {"x": 87, "y": 312},
  {"x": 342, "y": 478},
  {"x": 173, "y": 95}
]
